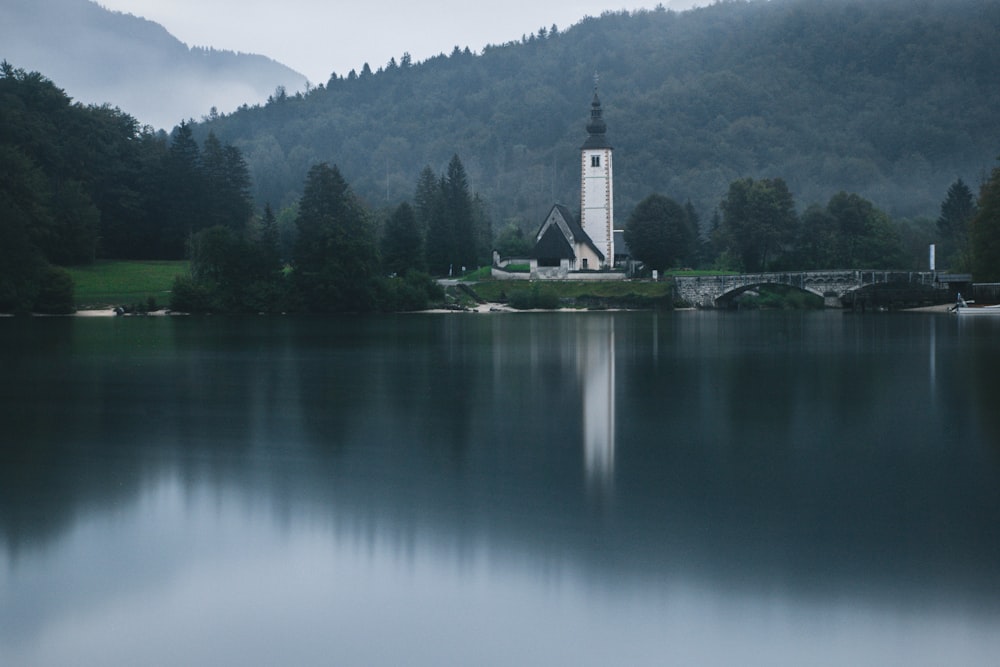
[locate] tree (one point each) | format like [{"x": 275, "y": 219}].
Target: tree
[
  {"x": 440, "y": 238},
  {"x": 758, "y": 220},
  {"x": 659, "y": 233},
  {"x": 335, "y": 260},
  {"x": 269, "y": 239},
  {"x": 459, "y": 211},
  {"x": 957, "y": 211},
  {"x": 402, "y": 248},
  {"x": 184, "y": 193},
  {"x": 24, "y": 217},
  {"x": 986, "y": 231},
  {"x": 227, "y": 184},
  {"x": 818, "y": 239},
  {"x": 511, "y": 242},
  {"x": 865, "y": 236},
  {"x": 451, "y": 219},
  {"x": 482, "y": 230}
]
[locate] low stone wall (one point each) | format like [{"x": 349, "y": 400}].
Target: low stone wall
[
  {"x": 556, "y": 273},
  {"x": 500, "y": 274}
]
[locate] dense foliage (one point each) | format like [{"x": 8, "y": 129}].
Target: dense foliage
[
  {"x": 335, "y": 255},
  {"x": 660, "y": 233},
  {"x": 891, "y": 100},
  {"x": 95, "y": 184},
  {"x": 957, "y": 211},
  {"x": 758, "y": 221},
  {"x": 739, "y": 109},
  {"x": 986, "y": 231}
]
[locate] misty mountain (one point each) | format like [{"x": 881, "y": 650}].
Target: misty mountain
[
  {"x": 99, "y": 56},
  {"x": 891, "y": 100}
]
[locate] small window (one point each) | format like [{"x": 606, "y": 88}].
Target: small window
[
  {"x": 595, "y": 160},
  {"x": 585, "y": 267}
]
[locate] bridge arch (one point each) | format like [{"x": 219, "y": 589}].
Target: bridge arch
[
  {"x": 832, "y": 285},
  {"x": 731, "y": 294}
]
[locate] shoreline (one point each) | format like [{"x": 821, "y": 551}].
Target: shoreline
[{"x": 489, "y": 307}]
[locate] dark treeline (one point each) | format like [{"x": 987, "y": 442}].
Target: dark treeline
[
  {"x": 335, "y": 264},
  {"x": 798, "y": 135},
  {"x": 892, "y": 100},
  {"x": 81, "y": 182},
  {"x": 101, "y": 186}
]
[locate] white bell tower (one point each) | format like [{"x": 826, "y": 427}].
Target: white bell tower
[{"x": 597, "y": 214}]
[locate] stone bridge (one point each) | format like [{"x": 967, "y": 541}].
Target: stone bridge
[{"x": 832, "y": 285}]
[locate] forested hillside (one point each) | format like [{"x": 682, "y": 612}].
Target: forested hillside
[
  {"x": 892, "y": 100},
  {"x": 99, "y": 57}
]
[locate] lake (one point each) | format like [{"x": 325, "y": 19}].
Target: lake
[{"x": 690, "y": 488}]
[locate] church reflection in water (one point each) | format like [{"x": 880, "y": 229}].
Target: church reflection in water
[{"x": 596, "y": 369}]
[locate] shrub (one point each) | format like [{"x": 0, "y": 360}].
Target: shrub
[
  {"x": 188, "y": 296},
  {"x": 55, "y": 292},
  {"x": 535, "y": 297}
]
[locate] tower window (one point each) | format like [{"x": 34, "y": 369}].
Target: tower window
[{"x": 595, "y": 160}]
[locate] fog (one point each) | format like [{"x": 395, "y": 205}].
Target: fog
[{"x": 99, "y": 57}]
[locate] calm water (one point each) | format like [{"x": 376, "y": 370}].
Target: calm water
[{"x": 541, "y": 489}]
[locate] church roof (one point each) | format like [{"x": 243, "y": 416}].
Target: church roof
[
  {"x": 553, "y": 245},
  {"x": 561, "y": 248},
  {"x": 596, "y": 128}
]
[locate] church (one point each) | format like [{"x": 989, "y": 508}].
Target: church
[{"x": 564, "y": 245}]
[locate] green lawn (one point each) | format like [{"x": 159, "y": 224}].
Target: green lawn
[{"x": 113, "y": 283}]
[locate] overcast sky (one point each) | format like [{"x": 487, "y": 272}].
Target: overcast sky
[{"x": 317, "y": 37}]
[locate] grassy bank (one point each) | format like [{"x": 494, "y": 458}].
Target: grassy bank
[
  {"x": 112, "y": 283},
  {"x": 580, "y": 294}
]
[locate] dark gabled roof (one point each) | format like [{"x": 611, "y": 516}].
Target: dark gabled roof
[
  {"x": 553, "y": 245},
  {"x": 579, "y": 236},
  {"x": 577, "y": 229}
]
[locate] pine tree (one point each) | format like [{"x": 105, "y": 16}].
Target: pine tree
[
  {"x": 335, "y": 254},
  {"x": 184, "y": 192},
  {"x": 986, "y": 232},
  {"x": 957, "y": 211},
  {"x": 458, "y": 210},
  {"x": 402, "y": 248}
]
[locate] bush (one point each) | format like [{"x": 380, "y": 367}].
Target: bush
[
  {"x": 537, "y": 297},
  {"x": 188, "y": 296},
  {"x": 55, "y": 292},
  {"x": 415, "y": 291}
]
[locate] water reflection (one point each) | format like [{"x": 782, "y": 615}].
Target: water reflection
[
  {"x": 427, "y": 478},
  {"x": 596, "y": 366}
]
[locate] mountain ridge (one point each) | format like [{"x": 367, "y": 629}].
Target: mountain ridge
[
  {"x": 100, "y": 56},
  {"x": 891, "y": 100}
]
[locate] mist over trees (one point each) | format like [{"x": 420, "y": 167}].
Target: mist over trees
[
  {"x": 99, "y": 56},
  {"x": 859, "y": 159},
  {"x": 82, "y": 182},
  {"x": 891, "y": 100}
]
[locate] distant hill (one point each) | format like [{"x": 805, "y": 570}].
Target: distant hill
[
  {"x": 892, "y": 100},
  {"x": 99, "y": 56}
]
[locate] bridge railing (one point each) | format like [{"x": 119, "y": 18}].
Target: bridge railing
[{"x": 705, "y": 290}]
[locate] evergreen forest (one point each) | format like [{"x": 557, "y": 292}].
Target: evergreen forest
[
  {"x": 892, "y": 100},
  {"x": 748, "y": 136}
]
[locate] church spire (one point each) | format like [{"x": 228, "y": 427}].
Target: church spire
[
  {"x": 596, "y": 128},
  {"x": 596, "y": 184}
]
